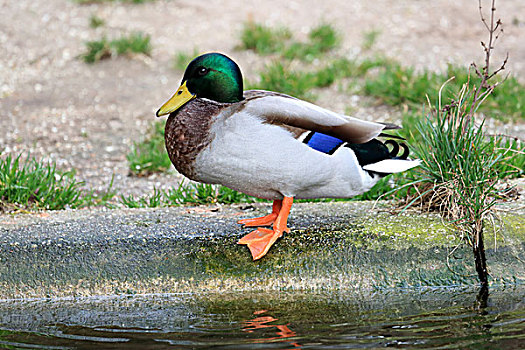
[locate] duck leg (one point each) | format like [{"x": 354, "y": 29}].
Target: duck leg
[
  {"x": 266, "y": 220},
  {"x": 260, "y": 240}
]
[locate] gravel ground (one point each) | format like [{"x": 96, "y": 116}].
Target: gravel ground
[{"x": 86, "y": 117}]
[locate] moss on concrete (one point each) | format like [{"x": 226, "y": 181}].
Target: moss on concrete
[{"x": 331, "y": 247}]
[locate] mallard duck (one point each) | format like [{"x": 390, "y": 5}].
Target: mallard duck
[{"x": 270, "y": 145}]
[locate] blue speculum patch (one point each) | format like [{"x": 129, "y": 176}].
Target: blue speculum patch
[{"x": 323, "y": 143}]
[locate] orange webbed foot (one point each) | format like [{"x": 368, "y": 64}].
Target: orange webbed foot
[
  {"x": 266, "y": 220},
  {"x": 262, "y": 221},
  {"x": 260, "y": 240}
]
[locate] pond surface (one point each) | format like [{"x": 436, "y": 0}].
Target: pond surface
[{"x": 420, "y": 319}]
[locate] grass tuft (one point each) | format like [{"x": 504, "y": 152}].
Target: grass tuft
[
  {"x": 134, "y": 43},
  {"x": 188, "y": 194},
  {"x": 149, "y": 155},
  {"x": 512, "y": 157},
  {"x": 199, "y": 193},
  {"x": 103, "y": 48},
  {"x": 322, "y": 39},
  {"x": 370, "y": 38},
  {"x": 280, "y": 77},
  {"x": 460, "y": 166},
  {"x": 97, "y": 50},
  {"x": 29, "y": 184},
  {"x": 95, "y": 21},
  {"x": 153, "y": 201},
  {"x": 263, "y": 40},
  {"x": 182, "y": 59},
  {"x": 398, "y": 85}
]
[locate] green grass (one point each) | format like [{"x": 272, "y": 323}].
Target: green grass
[
  {"x": 265, "y": 40},
  {"x": 149, "y": 155},
  {"x": 30, "y": 184},
  {"x": 103, "y": 48},
  {"x": 398, "y": 85},
  {"x": 507, "y": 101},
  {"x": 389, "y": 81},
  {"x": 97, "y": 50},
  {"x": 95, "y": 21},
  {"x": 192, "y": 193},
  {"x": 280, "y": 77},
  {"x": 321, "y": 40},
  {"x": 198, "y": 193},
  {"x": 188, "y": 194},
  {"x": 262, "y": 39},
  {"x": 182, "y": 59},
  {"x": 152, "y": 201},
  {"x": 460, "y": 164},
  {"x": 134, "y": 43},
  {"x": 370, "y": 38},
  {"x": 511, "y": 153},
  {"x": 389, "y": 187},
  {"x": 461, "y": 167},
  {"x": 297, "y": 82}
]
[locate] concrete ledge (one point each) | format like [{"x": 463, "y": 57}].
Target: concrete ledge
[{"x": 335, "y": 246}]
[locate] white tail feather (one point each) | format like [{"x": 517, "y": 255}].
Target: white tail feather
[{"x": 390, "y": 166}]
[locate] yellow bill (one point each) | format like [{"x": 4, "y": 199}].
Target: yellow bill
[{"x": 178, "y": 100}]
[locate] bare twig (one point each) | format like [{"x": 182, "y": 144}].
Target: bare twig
[{"x": 495, "y": 28}]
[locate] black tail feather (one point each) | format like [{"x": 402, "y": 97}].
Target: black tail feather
[
  {"x": 395, "y": 147},
  {"x": 375, "y": 151},
  {"x": 392, "y": 136},
  {"x": 406, "y": 152}
]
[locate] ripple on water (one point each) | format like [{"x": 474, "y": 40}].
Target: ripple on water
[{"x": 423, "y": 318}]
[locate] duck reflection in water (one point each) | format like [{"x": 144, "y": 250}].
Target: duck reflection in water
[{"x": 262, "y": 322}]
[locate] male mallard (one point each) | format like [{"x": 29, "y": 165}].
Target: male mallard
[{"x": 270, "y": 145}]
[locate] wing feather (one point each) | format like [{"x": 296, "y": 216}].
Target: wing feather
[{"x": 282, "y": 109}]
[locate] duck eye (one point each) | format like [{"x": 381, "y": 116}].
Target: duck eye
[{"x": 202, "y": 71}]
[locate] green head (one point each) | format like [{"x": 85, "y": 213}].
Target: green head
[{"x": 214, "y": 76}]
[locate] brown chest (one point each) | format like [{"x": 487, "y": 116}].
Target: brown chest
[{"x": 187, "y": 133}]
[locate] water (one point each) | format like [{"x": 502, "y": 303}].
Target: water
[{"x": 420, "y": 319}]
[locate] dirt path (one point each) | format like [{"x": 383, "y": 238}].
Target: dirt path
[{"x": 87, "y": 116}]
